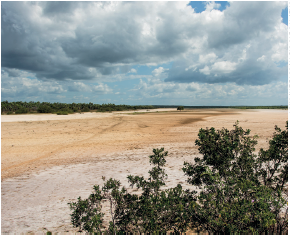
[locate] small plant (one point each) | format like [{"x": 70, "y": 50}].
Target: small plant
[
  {"x": 154, "y": 210},
  {"x": 87, "y": 213}
]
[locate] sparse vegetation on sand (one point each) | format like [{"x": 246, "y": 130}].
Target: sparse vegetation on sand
[{"x": 239, "y": 191}]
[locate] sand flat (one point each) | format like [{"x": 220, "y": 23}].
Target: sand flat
[{"x": 47, "y": 162}]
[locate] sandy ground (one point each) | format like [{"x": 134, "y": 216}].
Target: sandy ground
[{"x": 50, "y": 160}]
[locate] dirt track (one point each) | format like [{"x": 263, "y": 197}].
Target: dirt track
[{"x": 46, "y": 163}]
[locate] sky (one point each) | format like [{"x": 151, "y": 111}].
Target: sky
[{"x": 145, "y": 53}]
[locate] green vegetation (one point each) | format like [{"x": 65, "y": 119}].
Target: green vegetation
[
  {"x": 62, "y": 113},
  {"x": 240, "y": 192},
  {"x": 21, "y": 111},
  {"x": 46, "y": 107},
  {"x": 63, "y": 108},
  {"x": 180, "y": 108}
]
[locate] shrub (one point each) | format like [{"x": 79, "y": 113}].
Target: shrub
[
  {"x": 65, "y": 110},
  {"x": 86, "y": 109},
  {"x": 241, "y": 192},
  {"x": 153, "y": 210},
  {"x": 62, "y": 113},
  {"x": 44, "y": 109},
  {"x": 21, "y": 110},
  {"x": 180, "y": 108}
]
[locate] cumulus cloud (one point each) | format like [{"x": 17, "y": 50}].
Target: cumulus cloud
[
  {"x": 79, "y": 46},
  {"x": 17, "y": 84},
  {"x": 101, "y": 89},
  {"x": 208, "y": 94}
]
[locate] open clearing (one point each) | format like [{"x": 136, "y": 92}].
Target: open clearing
[{"x": 49, "y": 160}]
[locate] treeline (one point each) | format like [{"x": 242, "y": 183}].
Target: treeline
[{"x": 20, "y": 107}]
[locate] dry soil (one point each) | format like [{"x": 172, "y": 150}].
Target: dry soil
[{"x": 49, "y": 160}]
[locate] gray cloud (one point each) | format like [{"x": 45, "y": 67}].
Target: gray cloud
[
  {"x": 244, "y": 21},
  {"x": 99, "y": 40},
  {"x": 62, "y": 40}
]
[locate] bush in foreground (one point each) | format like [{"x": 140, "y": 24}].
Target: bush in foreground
[{"x": 240, "y": 191}]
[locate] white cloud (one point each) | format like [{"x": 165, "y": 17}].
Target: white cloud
[
  {"x": 133, "y": 71},
  {"x": 62, "y": 41},
  {"x": 212, "y": 5},
  {"x": 223, "y": 67},
  {"x": 101, "y": 89},
  {"x": 209, "y": 94},
  {"x": 80, "y": 87},
  {"x": 205, "y": 70},
  {"x": 67, "y": 47},
  {"x": 159, "y": 71},
  {"x": 211, "y": 57},
  {"x": 262, "y": 58}
]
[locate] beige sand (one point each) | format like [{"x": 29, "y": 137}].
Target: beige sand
[{"x": 49, "y": 160}]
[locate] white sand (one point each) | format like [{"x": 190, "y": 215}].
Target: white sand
[{"x": 87, "y": 115}]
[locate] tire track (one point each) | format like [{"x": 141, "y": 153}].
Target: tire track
[{"x": 58, "y": 150}]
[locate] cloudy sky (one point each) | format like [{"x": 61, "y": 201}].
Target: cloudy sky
[{"x": 173, "y": 53}]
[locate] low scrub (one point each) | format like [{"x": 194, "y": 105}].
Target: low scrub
[{"x": 240, "y": 192}]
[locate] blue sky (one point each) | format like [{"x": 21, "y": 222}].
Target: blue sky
[{"x": 170, "y": 53}]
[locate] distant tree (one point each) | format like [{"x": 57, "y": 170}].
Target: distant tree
[
  {"x": 180, "y": 108},
  {"x": 21, "y": 110},
  {"x": 43, "y": 108}
]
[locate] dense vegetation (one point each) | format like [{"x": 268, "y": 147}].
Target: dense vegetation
[
  {"x": 239, "y": 191},
  {"x": 20, "y": 107},
  {"x": 63, "y": 108}
]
